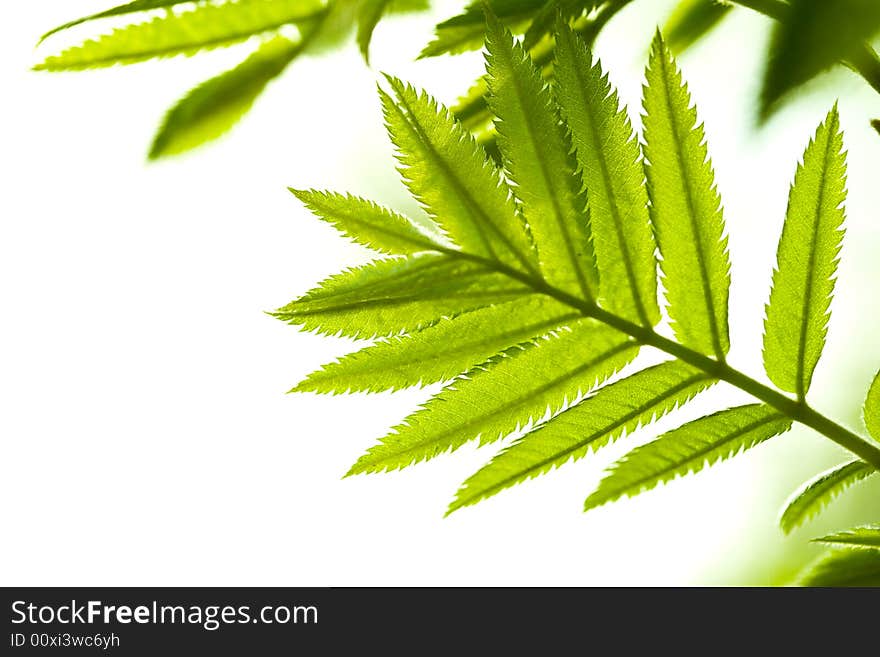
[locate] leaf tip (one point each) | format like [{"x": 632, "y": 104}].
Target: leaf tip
[
  {"x": 594, "y": 501},
  {"x": 657, "y": 42},
  {"x": 303, "y": 195}
]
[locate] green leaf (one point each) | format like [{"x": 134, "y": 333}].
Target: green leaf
[
  {"x": 610, "y": 158},
  {"x": 536, "y": 154},
  {"x": 121, "y": 10},
  {"x": 803, "y": 282},
  {"x": 471, "y": 109},
  {"x": 544, "y": 20},
  {"x": 692, "y": 20},
  {"x": 442, "y": 351},
  {"x": 866, "y": 537},
  {"x": 503, "y": 395},
  {"x": 685, "y": 210},
  {"x": 872, "y": 409},
  {"x": 809, "y": 500},
  {"x": 370, "y": 12},
  {"x": 449, "y": 174},
  {"x": 369, "y": 224},
  {"x": 388, "y": 297},
  {"x": 845, "y": 568},
  {"x": 215, "y": 106},
  {"x": 204, "y": 26},
  {"x": 689, "y": 449},
  {"x": 812, "y": 37},
  {"x": 467, "y": 31},
  {"x": 613, "y": 411}
]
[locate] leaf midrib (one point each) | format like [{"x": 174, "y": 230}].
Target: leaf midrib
[
  {"x": 401, "y": 276},
  {"x": 545, "y": 176},
  {"x": 809, "y": 284},
  {"x": 466, "y": 348},
  {"x": 168, "y": 51},
  {"x": 612, "y": 197},
  {"x": 426, "y": 244}
]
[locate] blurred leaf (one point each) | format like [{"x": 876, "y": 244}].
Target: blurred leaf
[
  {"x": 205, "y": 26},
  {"x": 845, "y": 568},
  {"x": 407, "y": 6},
  {"x": 216, "y": 105},
  {"x": 467, "y": 30},
  {"x": 471, "y": 109},
  {"x": 814, "y": 36},
  {"x": 691, "y": 20},
  {"x": 121, "y": 10},
  {"x": 816, "y": 494},
  {"x": 872, "y": 409},
  {"x": 803, "y": 283},
  {"x": 369, "y": 14},
  {"x": 543, "y": 22},
  {"x": 868, "y": 537}
]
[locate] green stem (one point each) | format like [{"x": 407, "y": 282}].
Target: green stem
[{"x": 796, "y": 410}]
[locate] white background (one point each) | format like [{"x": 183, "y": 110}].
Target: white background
[{"x": 146, "y": 436}]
